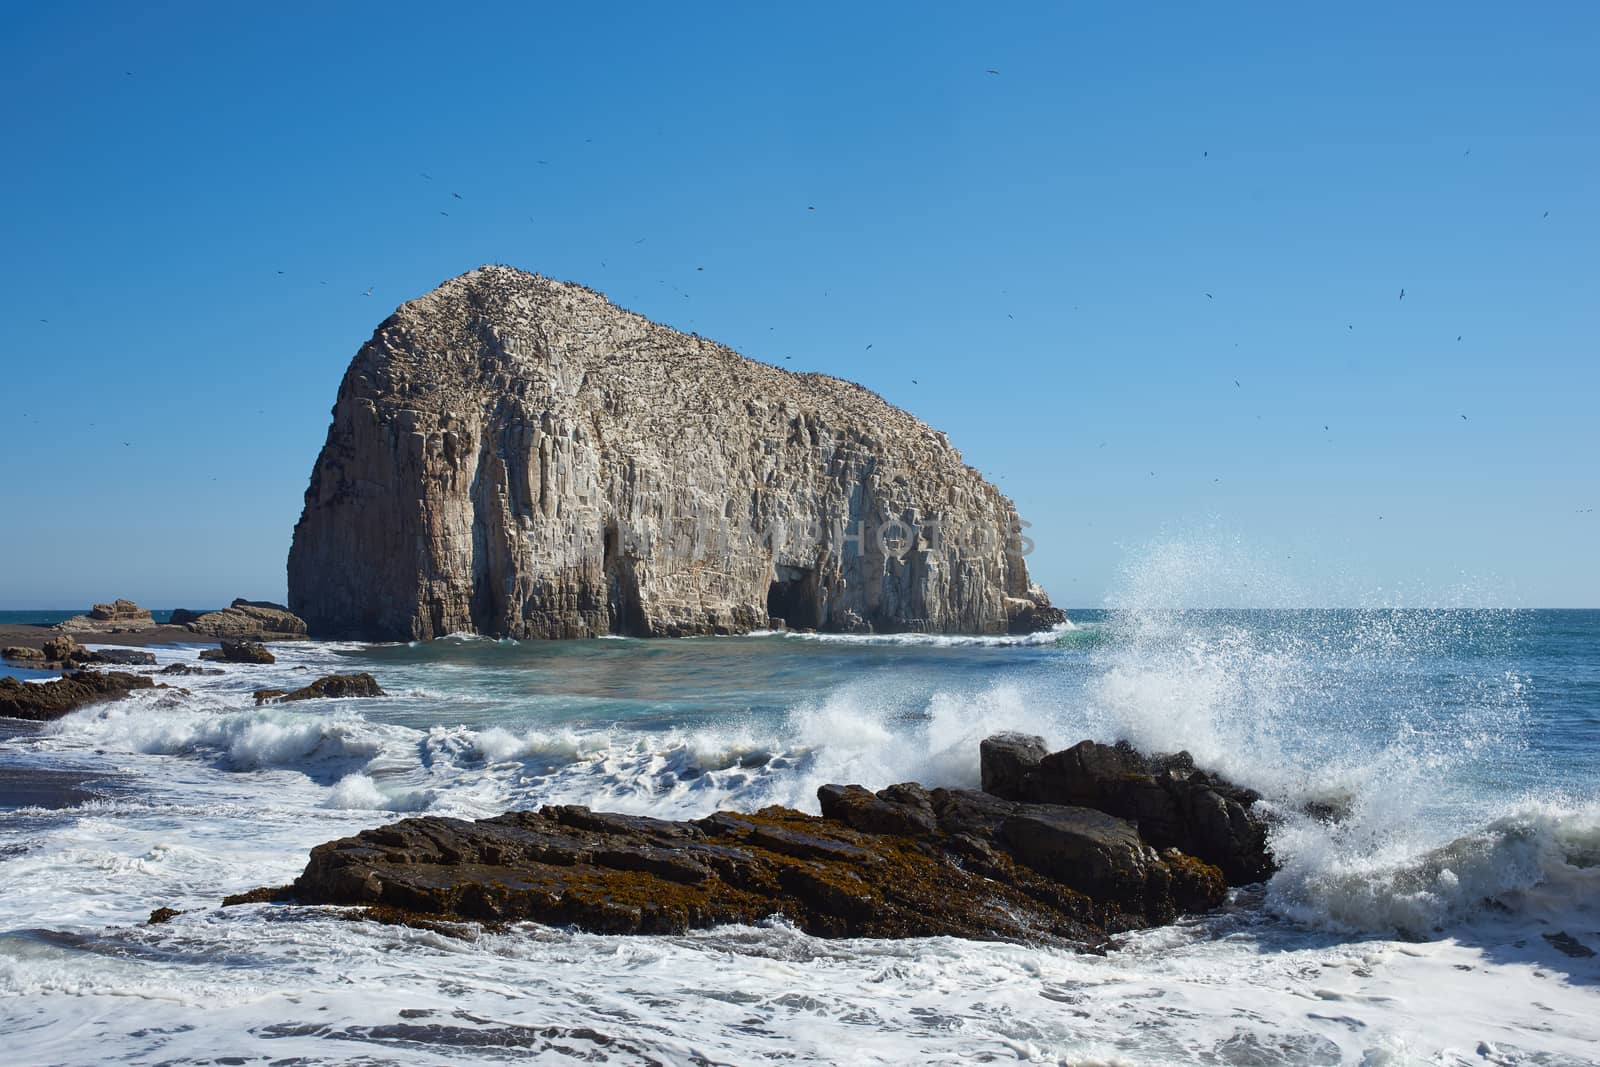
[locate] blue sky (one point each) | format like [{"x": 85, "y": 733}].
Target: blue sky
[{"x": 1075, "y": 258}]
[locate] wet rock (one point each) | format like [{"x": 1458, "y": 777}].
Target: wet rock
[
  {"x": 1174, "y": 804},
  {"x": 1568, "y": 945},
  {"x": 516, "y": 456},
  {"x": 40, "y": 701},
  {"x": 239, "y": 652},
  {"x": 338, "y": 686},
  {"x": 244, "y": 619},
  {"x": 902, "y": 862},
  {"x": 262, "y": 696},
  {"x": 122, "y": 657},
  {"x": 1005, "y": 759},
  {"x": 184, "y": 668},
  {"x": 22, "y": 654}
]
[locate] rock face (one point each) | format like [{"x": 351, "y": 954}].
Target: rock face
[
  {"x": 1173, "y": 804},
  {"x": 22, "y": 654},
  {"x": 900, "y": 862},
  {"x": 257, "y": 620},
  {"x": 515, "y": 456},
  {"x": 51, "y": 700}
]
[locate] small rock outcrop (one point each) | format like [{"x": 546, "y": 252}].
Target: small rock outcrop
[
  {"x": 40, "y": 701},
  {"x": 117, "y": 617},
  {"x": 334, "y": 686},
  {"x": 240, "y": 652},
  {"x": 185, "y": 668},
  {"x": 257, "y": 620},
  {"x": 905, "y": 861},
  {"x": 1172, "y": 803},
  {"x": 23, "y": 654},
  {"x": 516, "y": 456}
]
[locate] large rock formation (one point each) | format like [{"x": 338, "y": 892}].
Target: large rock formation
[
  {"x": 119, "y": 616},
  {"x": 513, "y": 455},
  {"x": 257, "y": 620}
]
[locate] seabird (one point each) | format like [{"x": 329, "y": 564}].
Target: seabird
[
  {"x": 1236, "y": 384},
  {"x": 1210, "y": 297},
  {"x": 913, "y": 381},
  {"x": 1463, "y": 418},
  {"x": 991, "y": 70},
  {"x": 368, "y": 292},
  {"x": 869, "y": 348},
  {"x": 427, "y": 177},
  {"x": 1402, "y": 294}
]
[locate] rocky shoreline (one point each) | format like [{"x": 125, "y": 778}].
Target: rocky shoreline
[{"x": 905, "y": 861}]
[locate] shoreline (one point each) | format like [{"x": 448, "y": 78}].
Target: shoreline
[{"x": 34, "y": 635}]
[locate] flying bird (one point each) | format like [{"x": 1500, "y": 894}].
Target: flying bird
[
  {"x": 1402, "y": 294},
  {"x": 1463, "y": 418},
  {"x": 456, "y": 195},
  {"x": 1236, "y": 384},
  {"x": 446, "y": 214},
  {"x": 913, "y": 381},
  {"x": 1545, "y": 215},
  {"x": 869, "y": 348},
  {"x": 991, "y": 70},
  {"x": 1210, "y": 297},
  {"x": 368, "y": 292},
  {"x": 427, "y": 177}
]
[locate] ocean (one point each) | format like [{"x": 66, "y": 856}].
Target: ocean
[{"x": 1445, "y": 920}]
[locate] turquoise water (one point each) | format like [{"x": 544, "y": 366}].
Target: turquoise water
[{"x": 1413, "y": 932}]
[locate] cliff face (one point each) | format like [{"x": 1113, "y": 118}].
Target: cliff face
[{"x": 515, "y": 456}]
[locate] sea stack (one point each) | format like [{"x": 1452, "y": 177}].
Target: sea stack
[{"x": 512, "y": 455}]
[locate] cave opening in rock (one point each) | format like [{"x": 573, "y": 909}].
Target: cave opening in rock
[
  {"x": 622, "y": 587},
  {"x": 792, "y": 597}
]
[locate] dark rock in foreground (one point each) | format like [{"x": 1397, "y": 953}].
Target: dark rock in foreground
[
  {"x": 900, "y": 862},
  {"x": 39, "y": 701},
  {"x": 1173, "y": 804},
  {"x": 628, "y": 874},
  {"x": 239, "y": 652},
  {"x": 331, "y": 687}
]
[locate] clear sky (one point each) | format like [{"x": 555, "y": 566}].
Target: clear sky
[{"x": 1147, "y": 275}]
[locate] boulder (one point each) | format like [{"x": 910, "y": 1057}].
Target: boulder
[
  {"x": 184, "y": 668},
  {"x": 244, "y": 619},
  {"x": 330, "y": 687},
  {"x": 1174, "y": 804},
  {"x": 22, "y": 654},
  {"x": 516, "y": 456},
  {"x": 65, "y": 649},
  {"x": 1005, "y": 759},
  {"x": 239, "y": 652},
  {"x": 51, "y": 700}
]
